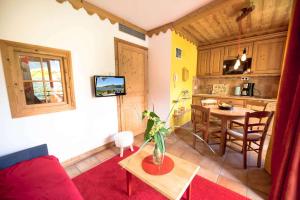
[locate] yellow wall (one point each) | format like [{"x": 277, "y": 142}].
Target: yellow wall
[{"x": 189, "y": 61}]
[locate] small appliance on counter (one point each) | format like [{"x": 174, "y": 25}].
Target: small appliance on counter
[
  {"x": 237, "y": 91},
  {"x": 247, "y": 89}
]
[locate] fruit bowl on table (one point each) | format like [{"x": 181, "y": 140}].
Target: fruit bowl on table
[{"x": 225, "y": 106}]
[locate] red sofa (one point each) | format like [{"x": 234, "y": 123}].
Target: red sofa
[{"x": 39, "y": 178}]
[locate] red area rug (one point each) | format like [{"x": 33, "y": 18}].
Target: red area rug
[{"x": 108, "y": 181}]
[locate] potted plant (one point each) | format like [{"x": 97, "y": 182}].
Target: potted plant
[{"x": 156, "y": 132}]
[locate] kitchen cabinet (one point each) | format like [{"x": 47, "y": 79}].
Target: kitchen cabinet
[
  {"x": 232, "y": 51},
  {"x": 266, "y": 51},
  {"x": 216, "y": 60},
  {"x": 268, "y": 55},
  {"x": 203, "y": 63}
]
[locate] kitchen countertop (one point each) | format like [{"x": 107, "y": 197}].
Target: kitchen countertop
[{"x": 235, "y": 97}]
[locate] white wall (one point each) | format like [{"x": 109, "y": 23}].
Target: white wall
[
  {"x": 159, "y": 72},
  {"x": 91, "y": 42}
]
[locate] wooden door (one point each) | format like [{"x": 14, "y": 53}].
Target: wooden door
[
  {"x": 203, "y": 62},
  {"x": 132, "y": 62},
  {"x": 232, "y": 51},
  {"x": 268, "y": 56},
  {"x": 216, "y": 60}
]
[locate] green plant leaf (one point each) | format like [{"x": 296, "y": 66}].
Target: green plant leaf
[
  {"x": 153, "y": 114},
  {"x": 164, "y": 131},
  {"x": 150, "y": 124},
  {"x": 144, "y": 114}
]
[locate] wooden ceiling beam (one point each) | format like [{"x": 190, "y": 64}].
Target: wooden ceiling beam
[{"x": 276, "y": 32}]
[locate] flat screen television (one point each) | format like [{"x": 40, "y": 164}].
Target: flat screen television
[
  {"x": 106, "y": 86},
  {"x": 228, "y": 67}
]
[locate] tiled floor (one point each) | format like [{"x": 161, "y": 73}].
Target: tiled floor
[{"x": 227, "y": 170}]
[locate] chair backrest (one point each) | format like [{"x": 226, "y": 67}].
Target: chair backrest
[
  {"x": 256, "y": 105},
  {"x": 208, "y": 102},
  {"x": 257, "y": 122},
  {"x": 200, "y": 115}
]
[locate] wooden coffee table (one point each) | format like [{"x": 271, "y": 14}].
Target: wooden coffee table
[{"x": 172, "y": 185}]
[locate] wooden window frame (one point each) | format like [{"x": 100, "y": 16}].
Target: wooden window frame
[{"x": 14, "y": 78}]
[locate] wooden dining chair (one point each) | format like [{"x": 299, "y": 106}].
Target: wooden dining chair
[
  {"x": 253, "y": 132},
  {"x": 211, "y": 102},
  {"x": 252, "y": 105},
  {"x": 202, "y": 123}
]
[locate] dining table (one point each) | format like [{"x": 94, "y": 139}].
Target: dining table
[{"x": 226, "y": 116}]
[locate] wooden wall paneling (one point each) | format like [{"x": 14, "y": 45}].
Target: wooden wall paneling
[{"x": 268, "y": 55}]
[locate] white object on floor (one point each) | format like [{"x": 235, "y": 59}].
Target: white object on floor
[{"x": 124, "y": 139}]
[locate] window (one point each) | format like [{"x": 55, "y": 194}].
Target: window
[{"x": 39, "y": 79}]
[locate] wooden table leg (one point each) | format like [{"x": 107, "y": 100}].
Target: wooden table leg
[
  {"x": 223, "y": 137},
  {"x": 129, "y": 178},
  {"x": 189, "y": 192}
]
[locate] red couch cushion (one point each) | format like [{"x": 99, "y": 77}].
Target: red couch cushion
[{"x": 39, "y": 178}]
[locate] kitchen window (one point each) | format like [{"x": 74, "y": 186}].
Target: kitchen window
[{"x": 39, "y": 79}]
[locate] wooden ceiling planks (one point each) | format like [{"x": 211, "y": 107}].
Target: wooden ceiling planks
[{"x": 216, "y": 22}]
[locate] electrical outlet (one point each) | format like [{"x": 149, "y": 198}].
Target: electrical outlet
[{"x": 245, "y": 78}]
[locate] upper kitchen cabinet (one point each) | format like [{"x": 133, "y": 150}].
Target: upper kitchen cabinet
[
  {"x": 216, "y": 60},
  {"x": 268, "y": 56},
  {"x": 203, "y": 62},
  {"x": 231, "y": 52},
  {"x": 266, "y": 51}
]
